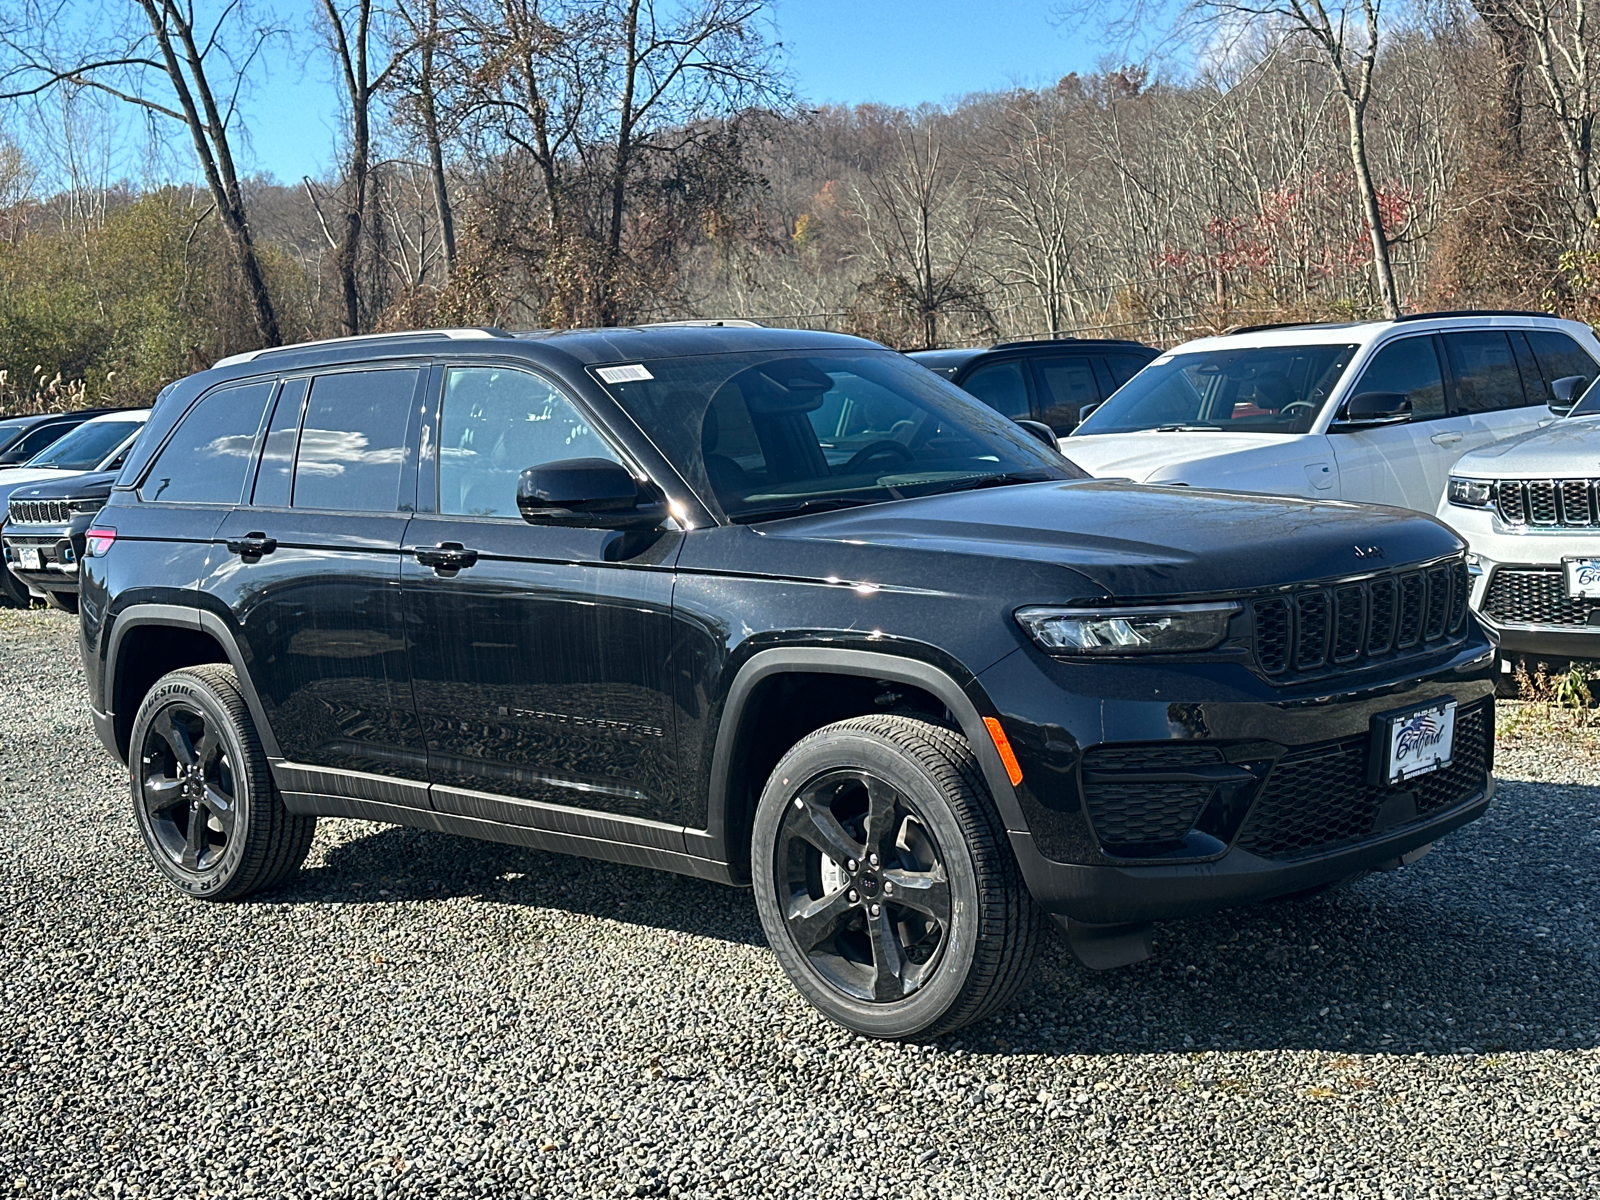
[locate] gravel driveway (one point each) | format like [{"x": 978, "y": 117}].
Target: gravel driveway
[{"x": 420, "y": 1015}]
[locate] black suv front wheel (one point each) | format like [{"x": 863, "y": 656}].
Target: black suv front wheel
[
  {"x": 884, "y": 880},
  {"x": 203, "y": 795}
]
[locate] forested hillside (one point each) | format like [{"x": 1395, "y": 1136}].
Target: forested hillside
[{"x": 521, "y": 164}]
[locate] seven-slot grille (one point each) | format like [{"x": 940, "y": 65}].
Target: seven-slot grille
[
  {"x": 1536, "y": 596},
  {"x": 1556, "y": 503},
  {"x": 1318, "y": 628},
  {"x": 40, "y": 512}
]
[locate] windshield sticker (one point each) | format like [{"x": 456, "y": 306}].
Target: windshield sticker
[{"x": 631, "y": 373}]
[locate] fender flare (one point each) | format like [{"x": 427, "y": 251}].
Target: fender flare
[
  {"x": 712, "y": 842},
  {"x": 195, "y": 620}
]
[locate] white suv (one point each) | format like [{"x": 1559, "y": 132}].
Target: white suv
[
  {"x": 1529, "y": 508},
  {"x": 1375, "y": 411}
]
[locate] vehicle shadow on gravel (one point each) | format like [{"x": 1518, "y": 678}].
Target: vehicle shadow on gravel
[{"x": 1487, "y": 945}]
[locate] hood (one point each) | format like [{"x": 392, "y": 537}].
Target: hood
[
  {"x": 10, "y": 481},
  {"x": 75, "y": 486},
  {"x": 1564, "y": 448},
  {"x": 1140, "y": 456},
  {"x": 1135, "y": 541}
]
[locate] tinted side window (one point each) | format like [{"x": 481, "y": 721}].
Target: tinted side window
[
  {"x": 1559, "y": 356},
  {"x": 1068, "y": 386},
  {"x": 1125, "y": 366},
  {"x": 1485, "y": 370},
  {"x": 1533, "y": 384},
  {"x": 495, "y": 423},
  {"x": 206, "y": 459},
  {"x": 1409, "y": 366},
  {"x": 276, "y": 474},
  {"x": 1000, "y": 386},
  {"x": 353, "y": 441}
]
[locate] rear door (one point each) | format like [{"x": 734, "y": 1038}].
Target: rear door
[
  {"x": 1488, "y": 398},
  {"x": 1004, "y": 386},
  {"x": 309, "y": 571},
  {"x": 1395, "y": 464}
]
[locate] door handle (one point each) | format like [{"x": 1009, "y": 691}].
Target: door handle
[
  {"x": 1445, "y": 439},
  {"x": 447, "y": 556},
  {"x": 252, "y": 545}
]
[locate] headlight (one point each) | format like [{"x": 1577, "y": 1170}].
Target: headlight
[
  {"x": 85, "y": 506},
  {"x": 1163, "y": 629},
  {"x": 1471, "y": 493}
]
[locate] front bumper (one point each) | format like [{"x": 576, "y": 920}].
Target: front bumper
[
  {"x": 1284, "y": 801},
  {"x": 1519, "y": 589},
  {"x": 58, "y": 558}
]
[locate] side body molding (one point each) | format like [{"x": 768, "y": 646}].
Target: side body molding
[{"x": 714, "y": 841}]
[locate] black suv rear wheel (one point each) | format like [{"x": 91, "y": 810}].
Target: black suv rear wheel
[
  {"x": 203, "y": 794},
  {"x": 884, "y": 880}
]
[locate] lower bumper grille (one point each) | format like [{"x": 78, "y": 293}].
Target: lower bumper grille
[
  {"x": 1535, "y": 596},
  {"x": 1142, "y": 813},
  {"x": 1319, "y": 798}
]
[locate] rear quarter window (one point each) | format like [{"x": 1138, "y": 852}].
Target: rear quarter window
[{"x": 206, "y": 459}]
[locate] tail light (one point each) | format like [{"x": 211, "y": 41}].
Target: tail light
[{"x": 97, "y": 541}]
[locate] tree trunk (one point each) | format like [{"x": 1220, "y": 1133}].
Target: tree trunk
[
  {"x": 1511, "y": 44},
  {"x": 430, "y": 127},
  {"x": 210, "y": 137},
  {"x": 609, "y": 310},
  {"x": 1382, "y": 269}
]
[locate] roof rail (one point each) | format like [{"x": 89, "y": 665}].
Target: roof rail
[
  {"x": 486, "y": 331},
  {"x": 1278, "y": 325},
  {"x": 704, "y": 323},
  {"x": 1013, "y": 345},
  {"x": 1478, "y": 312}
]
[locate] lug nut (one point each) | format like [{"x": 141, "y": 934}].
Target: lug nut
[
  {"x": 888, "y": 888},
  {"x": 850, "y": 865},
  {"x": 873, "y": 859},
  {"x": 875, "y": 909},
  {"x": 854, "y": 895}
]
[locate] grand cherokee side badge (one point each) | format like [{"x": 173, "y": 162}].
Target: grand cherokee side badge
[{"x": 1369, "y": 551}]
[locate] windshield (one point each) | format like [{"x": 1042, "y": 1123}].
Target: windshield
[
  {"x": 779, "y": 433},
  {"x": 86, "y": 446},
  {"x": 1589, "y": 404},
  {"x": 1254, "y": 389}
]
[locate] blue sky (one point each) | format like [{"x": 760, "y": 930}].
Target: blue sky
[{"x": 847, "y": 51}]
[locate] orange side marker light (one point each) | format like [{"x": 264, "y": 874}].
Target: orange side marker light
[{"x": 1013, "y": 768}]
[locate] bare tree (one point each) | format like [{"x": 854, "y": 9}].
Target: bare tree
[
  {"x": 921, "y": 233},
  {"x": 162, "y": 59}
]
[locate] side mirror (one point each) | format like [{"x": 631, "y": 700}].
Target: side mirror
[
  {"x": 1041, "y": 431},
  {"x": 587, "y": 493},
  {"x": 1564, "y": 392},
  {"x": 1375, "y": 408},
  {"x": 1083, "y": 413}
]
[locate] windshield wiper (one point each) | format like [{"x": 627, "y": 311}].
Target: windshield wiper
[
  {"x": 1187, "y": 429},
  {"x": 1004, "y": 479},
  {"x": 815, "y": 504}
]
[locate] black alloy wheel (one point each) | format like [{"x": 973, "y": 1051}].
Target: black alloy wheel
[
  {"x": 212, "y": 819},
  {"x": 188, "y": 789},
  {"x": 865, "y": 892},
  {"x": 884, "y": 880}
]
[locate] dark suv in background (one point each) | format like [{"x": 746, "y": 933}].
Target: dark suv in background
[
  {"x": 23, "y": 437},
  {"x": 1055, "y": 381},
  {"x": 772, "y": 608},
  {"x": 43, "y": 535}
]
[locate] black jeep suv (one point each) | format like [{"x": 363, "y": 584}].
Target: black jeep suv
[
  {"x": 43, "y": 536},
  {"x": 770, "y": 608}
]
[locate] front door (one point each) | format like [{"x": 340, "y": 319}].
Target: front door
[
  {"x": 1397, "y": 464},
  {"x": 541, "y": 656}
]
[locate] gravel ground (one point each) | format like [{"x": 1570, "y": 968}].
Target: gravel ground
[{"x": 419, "y": 1015}]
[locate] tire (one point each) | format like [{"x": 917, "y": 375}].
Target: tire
[
  {"x": 203, "y": 795},
  {"x": 62, "y": 601},
  {"x": 12, "y": 590},
  {"x": 912, "y": 793}
]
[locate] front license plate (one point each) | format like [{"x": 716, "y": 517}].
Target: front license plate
[
  {"x": 1415, "y": 741},
  {"x": 32, "y": 558},
  {"x": 1583, "y": 578}
]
